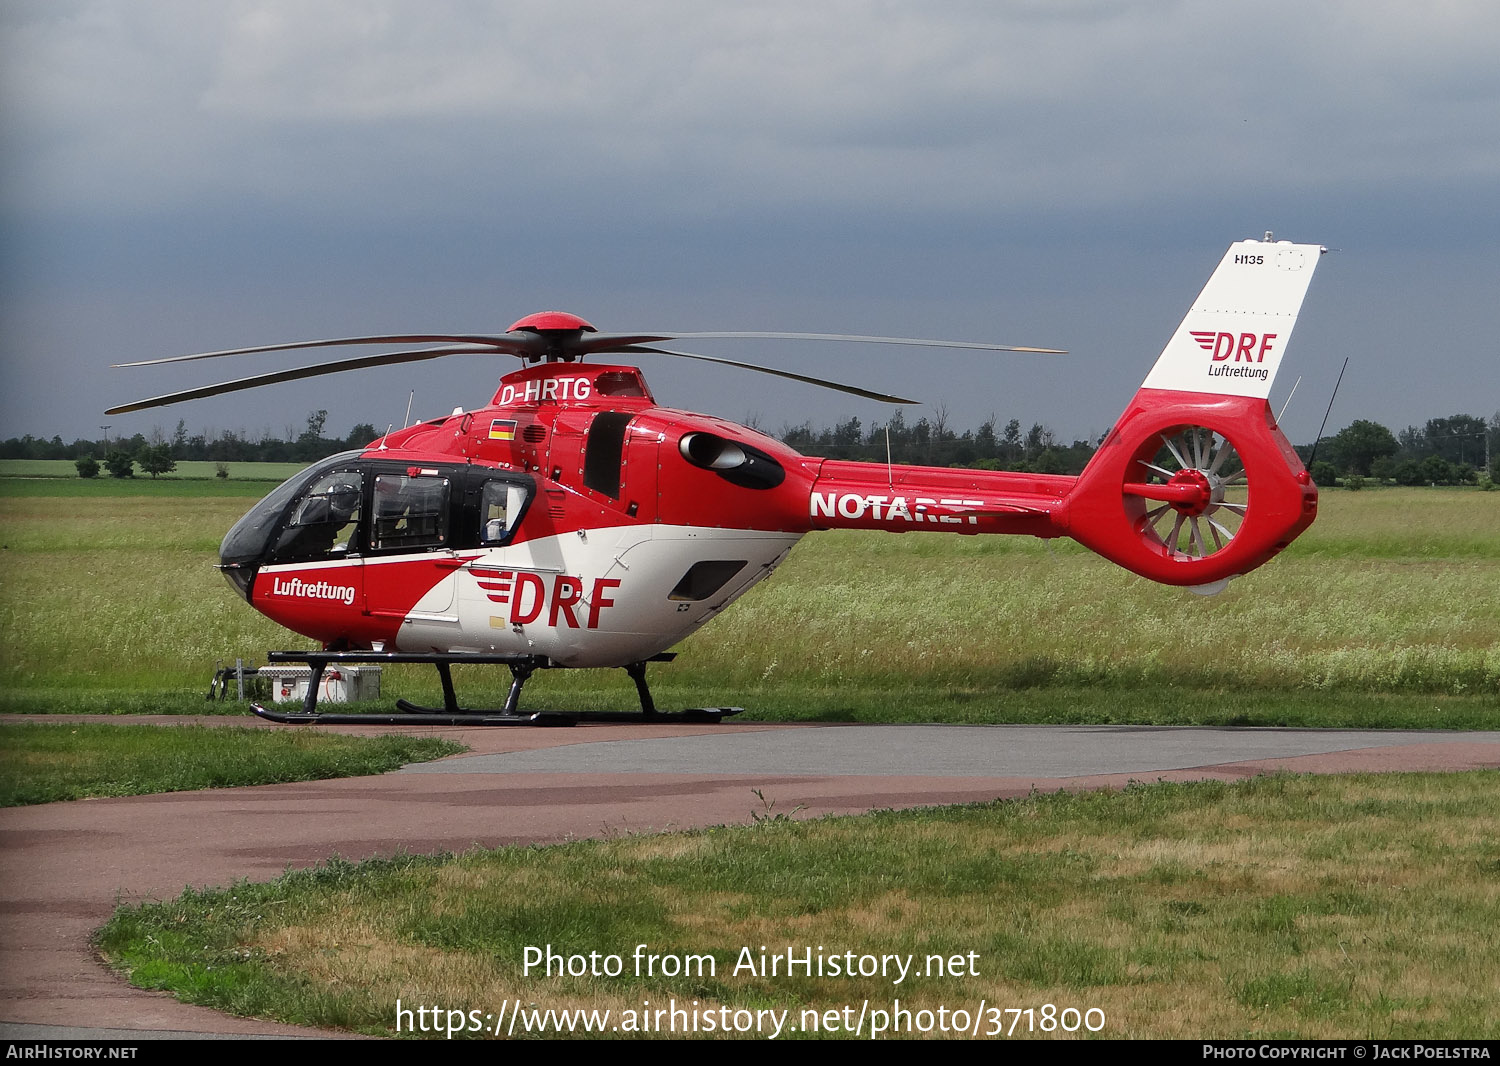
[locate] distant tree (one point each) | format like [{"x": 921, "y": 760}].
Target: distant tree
[
  {"x": 798, "y": 437},
  {"x": 1360, "y": 443},
  {"x": 314, "y": 431},
  {"x": 362, "y": 434},
  {"x": 1010, "y": 441},
  {"x": 221, "y": 470},
  {"x": 1324, "y": 474},
  {"x": 1383, "y": 468},
  {"x": 1409, "y": 472},
  {"x": 310, "y": 444},
  {"x": 120, "y": 463},
  {"x": 157, "y": 459},
  {"x": 1038, "y": 440},
  {"x": 1049, "y": 462},
  {"x": 848, "y": 433},
  {"x": 986, "y": 444},
  {"x": 1323, "y": 447},
  {"x": 897, "y": 428},
  {"x": 1457, "y": 438},
  {"x": 1413, "y": 443},
  {"x": 1438, "y": 471},
  {"x": 232, "y": 447},
  {"x": 87, "y": 466}
]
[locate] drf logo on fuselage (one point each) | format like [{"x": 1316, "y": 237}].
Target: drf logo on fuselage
[
  {"x": 527, "y": 595},
  {"x": 1249, "y": 347},
  {"x": 547, "y": 390}
]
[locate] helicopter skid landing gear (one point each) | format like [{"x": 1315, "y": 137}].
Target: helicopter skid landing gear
[
  {"x": 521, "y": 669},
  {"x": 649, "y": 713}
]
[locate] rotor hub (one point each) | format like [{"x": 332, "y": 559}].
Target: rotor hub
[
  {"x": 1201, "y": 494},
  {"x": 559, "y": 334},
  {"x": 553, "y": 321}
]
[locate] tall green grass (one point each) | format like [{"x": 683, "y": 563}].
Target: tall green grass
[
  {"x": 44, "y": 763},
  {"x": 1390, "y": 594}
]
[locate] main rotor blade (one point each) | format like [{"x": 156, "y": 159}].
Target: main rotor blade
[
  {"x": 870, "y": 340},
  {"x": 360, "y": 363},
  {"x": 604, "y": 343},
  {"x": 510, "y": 344},
  {"x": 528, "y": 344},
  {"x": 824, "y": 382}
]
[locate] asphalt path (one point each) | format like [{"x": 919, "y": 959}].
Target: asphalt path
[
  {"x": 67, "y": 864},
  {"x": 938, "y": 751}
]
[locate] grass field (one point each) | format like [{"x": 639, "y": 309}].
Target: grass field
[
  {"x": 43, "y": 763},
  {"x": 1329, "y": 908},
  {"x": 1360, "y": 906},
  {"x": 1386, "y": 612},
  {"x": 186, "y": 470}
]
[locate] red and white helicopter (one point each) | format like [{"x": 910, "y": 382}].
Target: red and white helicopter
[{"x": 572, "y": 522}]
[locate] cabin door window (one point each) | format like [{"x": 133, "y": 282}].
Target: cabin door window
[{"x": 409, "y": 512}]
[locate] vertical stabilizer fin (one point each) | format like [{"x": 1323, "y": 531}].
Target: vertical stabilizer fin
[
  {"x": 1231, "y": 341},
  {"x": 1195, "y": 483}
]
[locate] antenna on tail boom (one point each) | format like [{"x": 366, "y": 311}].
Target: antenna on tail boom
[{"x": 1326, "y": 413}]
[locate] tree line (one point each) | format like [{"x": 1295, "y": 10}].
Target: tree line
[
  {"x": 158, "y": 454},
  {"x": 933, "y": 442},
  {"x": 1456, "y": 450}
]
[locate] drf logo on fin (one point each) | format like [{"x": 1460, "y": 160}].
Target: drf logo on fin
[{"x": 1249, "y": 347}]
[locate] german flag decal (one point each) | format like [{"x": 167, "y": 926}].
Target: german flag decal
[{"x": 503, "y": 429}]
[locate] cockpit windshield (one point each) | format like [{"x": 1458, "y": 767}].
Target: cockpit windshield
[
  {"x": 324, "y": 521},
  {"x": 351, "y": 505},
  {"x": 247, "y": 541}
]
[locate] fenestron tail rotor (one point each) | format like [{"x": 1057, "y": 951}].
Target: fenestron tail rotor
[
  {"x": 1192, "y": 496},
  {"x": 553, "y": 336}
]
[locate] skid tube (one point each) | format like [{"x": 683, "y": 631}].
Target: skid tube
[{"x": 521, "y": 669}]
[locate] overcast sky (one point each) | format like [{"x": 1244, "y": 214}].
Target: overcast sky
[{"x": 179, "y": 176}]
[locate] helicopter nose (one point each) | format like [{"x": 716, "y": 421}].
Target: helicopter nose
[{"x": 239, "y": 577}]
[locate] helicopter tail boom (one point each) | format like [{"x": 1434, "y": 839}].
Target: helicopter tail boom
[{"x": 902, "y": 499}]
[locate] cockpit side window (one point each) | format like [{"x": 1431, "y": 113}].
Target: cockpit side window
[
  {"x": 500, "y": 506},
  {"x": 324, "y": 521},
  {"x": 409, "y": 512}
]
